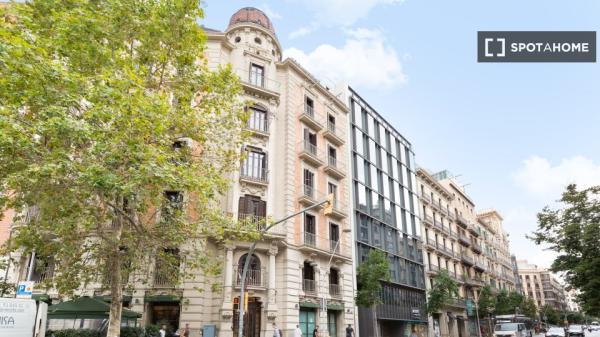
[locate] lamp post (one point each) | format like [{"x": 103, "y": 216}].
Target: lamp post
[{"x": 251, "y": 251}]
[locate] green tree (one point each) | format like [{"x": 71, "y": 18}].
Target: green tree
[
  {"x": 96, "y": 98},
  {"x": 528, "y": 308},
  {"x": 370, "y": 274},
  {"x": 572, "y": 231},
  {"x": 507, "y": 302},
  {"x": 549, "y": 314},
  {"x": 444, "y": 290},
  {"x": 486, "y": 300}
]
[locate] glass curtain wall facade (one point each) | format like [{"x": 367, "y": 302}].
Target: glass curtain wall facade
[{"x": 386, "y": 218}]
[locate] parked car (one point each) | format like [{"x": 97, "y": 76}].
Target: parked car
[
  {"x": 512, "y": 330},
  {"x": 576, "y": 330},
  {"x": 555, "y": 332}
]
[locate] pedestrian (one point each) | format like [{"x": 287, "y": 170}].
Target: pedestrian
[
  {"x": 186, "y": 330},
  {"x": 413, "y": 333},
  {"x": 163, "y": 331},
  {"x": 297, "y": 331},
  {"x": 316, "y": 331},
  {"x": 349, "y": 331},
  {"x": 276, "y": 331}
]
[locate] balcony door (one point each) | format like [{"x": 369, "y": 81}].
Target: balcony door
[
  {"x": 252, "y": 208},
  {"x": 255, "y": 164},
  {"x": 309, "y": 183},
  {"x": 257, "y": 75}
]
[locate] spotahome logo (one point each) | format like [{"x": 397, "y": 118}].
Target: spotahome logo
[{"x": 536, "y": 46}]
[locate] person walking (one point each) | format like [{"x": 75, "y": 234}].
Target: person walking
[
  {"x": 276, "y": 330},
  {"x": 186, "y": 330},
  {"x": 163, "y": 331},
  {"x": 349, "y": 331},
  {"x": 316, "y": 332},
  {"x": 297, "y": 331}
]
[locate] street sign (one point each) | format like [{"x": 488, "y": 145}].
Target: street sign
[
  {"x": 416, "y": 313},
  {"x": 25, "y": 289}
]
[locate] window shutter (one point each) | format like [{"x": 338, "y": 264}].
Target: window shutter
[
  {"x": 262, "y": 208},
  {"x": 242, "y": 207}
]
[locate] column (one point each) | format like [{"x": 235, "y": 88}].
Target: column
[
  {"x": 226, "y": 311},
  {"x": 272, "y": 289}
]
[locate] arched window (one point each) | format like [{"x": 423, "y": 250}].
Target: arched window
[
  {"x": 253, "y": 275},
  {"x": 254, "y": 262}
]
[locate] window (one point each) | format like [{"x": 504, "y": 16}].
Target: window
[
  {"x": 258, "y": 119},
  {"x": 310, "y": 229},
  {"x": 364, "y": 228},
  {"x": 252, "y": 206},
  {"x": 334, "y": 237},
  {"x": 257, "y": 40},
  {"x": 255, "y": 165},
  {"x": 238, "y": 39},
  {"x": 358, "y": 142},
  {"x": 333, "y": 189},
  {"x": 173, "y": 204},
  {"x": 310, "y": 141},
  {"x": 332, "y": 156},
  {"x": 376, "y": 228},
  {"x": 309, "y": 183},
  {"x": 309, "y": 106},
  {"x": 257, "y": 75},
  {"x": 331, "y": 123}
]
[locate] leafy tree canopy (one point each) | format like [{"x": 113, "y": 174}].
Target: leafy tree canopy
[
  {"x": 371, "y": 272},
  {"x": 444, "y": 289},
  {"x": 98, "y": 100},
  {"x": 573, "y": 231},
  {"x": 486, "y": 300}
]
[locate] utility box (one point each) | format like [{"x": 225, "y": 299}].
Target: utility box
[{"x": 209, "y": 330}]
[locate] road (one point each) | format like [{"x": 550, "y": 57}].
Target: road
[{"x": 587, "y": 334}]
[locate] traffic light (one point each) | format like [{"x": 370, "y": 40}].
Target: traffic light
[
  {"x": 246, "y": 301},
  {"x": 329, "y": 204}
]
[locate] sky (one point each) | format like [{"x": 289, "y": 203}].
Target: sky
[{"x": 515, "y": 134}]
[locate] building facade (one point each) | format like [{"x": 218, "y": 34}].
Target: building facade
[
  {"x": 385, "y": 216},
  {"x": 540, "y": 285},
  {"x": 301, "y": 273}
]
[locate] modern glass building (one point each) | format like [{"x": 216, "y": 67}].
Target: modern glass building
[{"x": 385, "y": 211}]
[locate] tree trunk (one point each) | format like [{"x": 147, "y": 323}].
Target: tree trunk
[
  {"x": 116, "y": 284},
  {"x": 375, "y": 325}
]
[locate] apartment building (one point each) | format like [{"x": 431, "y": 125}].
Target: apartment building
[
  {"x": 301, "y": 273},
  {"x": 441, "y": 238},
  {"x": 571, "y": 298},
  {"x": 495, "y": 254},
  {"x": 386, "y": 217},
  {"x": 540, "y": 285}
]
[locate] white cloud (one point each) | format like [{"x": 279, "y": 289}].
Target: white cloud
[
  {"x": 343, "y": 12},
  {"x": 365, "y": 60},
  {"x": 543, "y": 179},
  {"x": 304, "y": 30},
  {"x": 273, "y": 15}
]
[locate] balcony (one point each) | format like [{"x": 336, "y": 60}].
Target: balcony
[
  {"x": 254, "y": 278},
  {"x": 254, "y": 175},
  {"x": 310, "y": 153},
  {"x": 339, "y": 210},
  {"x": 309, "y": 196},
  {"x": 476, "y": 247},
  {"x": 446, "y": 251},
  {"x": 259, "y": 125},
  {"x": 334, "y": 134},
  {"x": 335, "y": 168},
  {"x": 443, "y": 211},
  {"x": 432, "y": 269},
  {"x": 425, "y": 198},
  {"x": 453, "y": 234},
  {"x": 462, "y": 221},
  {"x": 257, "y": 83},
  {"x": 446, "y": 230},
  {"x": 451, "y": 216},
  {"x": 335, "y": 290},
  {"x": 464, "y": 240},
  {"x": 259, "y": 221},
  {"x": 309, "y": 287},
  {"x": 431, "y": 244},
  {"x": 308, "y": 117},
  {"x": 479, "y": 266},
  {"x": 466, "y": 259},
  {"x": 164, "y": 280},
  {"x": 436, "y": 204},
  {"x": 475, "y": 231},
  {"x": 474, "y": 282},
  {"x": 457, "y": 303},
  {"x": 438, "y": 224},
  {"x": 428, "y": 220},
  {"x": 312, "y": 243}
]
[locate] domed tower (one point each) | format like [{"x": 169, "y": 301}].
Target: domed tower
[{"x": 251, "y": 28}]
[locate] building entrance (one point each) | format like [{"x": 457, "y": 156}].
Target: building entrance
[
  {"x": 252, "y": 317},
  {"x": 308, "y": 319}
]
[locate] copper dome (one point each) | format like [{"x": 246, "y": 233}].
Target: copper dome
[{"x": 251, "y": 15}]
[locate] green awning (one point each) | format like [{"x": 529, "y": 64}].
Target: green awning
[
  {"x": 309, "y": 305},
  {"x": 41, "y": 297},
  {"x": 86, "y": 308},
  {"x": 335, "y": 306},
  {"x": 108, "y": 298},
  {"x": 162, "y": 298}
]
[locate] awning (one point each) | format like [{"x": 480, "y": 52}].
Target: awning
[
  {"x": 162, "y": 299},
  {"x": 86, "y": 308},
  {"x": 41, "y": 297},
  {"x": 108, "y": 298},
  {"x": 309, "y": 304},
  {"x": 335, "y": 306}
]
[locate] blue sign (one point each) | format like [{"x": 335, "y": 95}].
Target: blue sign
[{"x": 25, "y": 289}]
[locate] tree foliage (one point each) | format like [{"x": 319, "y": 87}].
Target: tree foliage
[
  {"x": 370, "y": 273},
  {"x": 444, "y": 290},
  {"x": 528, "y": 307},
  {"x": 550, "y": 315},
  {"x": 486, "y": 300},
  {"x": 573, "y": 231},
  {"x": 96, "y": 99}
]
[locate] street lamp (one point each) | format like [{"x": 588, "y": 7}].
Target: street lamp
[{"x": 327, "y": 202}]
